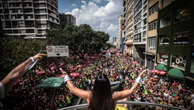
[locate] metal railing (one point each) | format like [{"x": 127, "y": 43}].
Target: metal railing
[{"x": 132, "y": 105}]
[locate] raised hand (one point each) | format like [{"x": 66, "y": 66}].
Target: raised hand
[{"x": 62, "y": 71}]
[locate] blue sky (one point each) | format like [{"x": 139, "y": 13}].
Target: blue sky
[{"x": 100, "y": 14}]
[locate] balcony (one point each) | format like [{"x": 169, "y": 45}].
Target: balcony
[
  {"x": 14, "y": 1},
  {"x": 39, "y": 1}
]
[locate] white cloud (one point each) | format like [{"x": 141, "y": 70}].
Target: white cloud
[
  {"x": 112, "y": 28},
  {"x": 97, "y": 1},
  {"x": 103, "y": 18},
  {"x": 83, "y": 2},
  {"x": 74, "y": 5}
]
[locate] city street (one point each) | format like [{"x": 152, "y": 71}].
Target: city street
[{"x": 96, "y": 54}]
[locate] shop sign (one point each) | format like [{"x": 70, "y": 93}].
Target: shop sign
[{"x": 178, "y": 62}]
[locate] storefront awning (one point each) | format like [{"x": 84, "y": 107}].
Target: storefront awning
[
  {"x": 161, "y": 67},
  {"x": 175, "y": 73}
]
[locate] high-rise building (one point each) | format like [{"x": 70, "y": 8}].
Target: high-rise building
[
  {"x": 28, "y": 18},
  {"x": 140, "y": 30},
  {"x": 128, "y": 26},
  {"x": 120, "y": 32},
  {"x": 175, "y": 47},
  {"x": 152, "y": 35},
  {"x": 152, "y": 19},
  {"x": 66, "y": 19}
]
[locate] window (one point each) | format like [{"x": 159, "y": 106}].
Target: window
[
  {"x": 21, "y": 23},
  {"x": 153, "y": 9},
  {"x": 181, "y": 38},
  {"x": 152, "y": 43},
  {"x": 163, "y": 39},
  {"x": 153, "y": 25},
  {"x": 137, "y": 38},
  {"x": 138, "y": 7},
  {"x": 137, "y": 18},
  {"x": 30, "y": 31},
  {"x": 165, "y": 21}
]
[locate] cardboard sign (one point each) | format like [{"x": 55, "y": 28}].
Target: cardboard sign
[{"x": 57, "y": 51}]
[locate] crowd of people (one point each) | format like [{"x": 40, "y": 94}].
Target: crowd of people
[{"x": 153, "y": 88}]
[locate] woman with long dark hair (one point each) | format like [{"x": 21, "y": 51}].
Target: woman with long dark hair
[{"x": 100, "y": 97}]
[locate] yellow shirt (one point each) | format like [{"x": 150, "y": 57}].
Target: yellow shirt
[{"x": 120, "y": 108}]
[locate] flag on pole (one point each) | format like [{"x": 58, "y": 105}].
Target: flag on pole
[{"x": 51, "y": 82}]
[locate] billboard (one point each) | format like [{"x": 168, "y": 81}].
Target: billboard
[{"x": 57, "y": 51}]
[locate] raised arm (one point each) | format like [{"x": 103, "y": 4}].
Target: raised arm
[
  {"x": 84, "y": 94},
  {"x": 19, "y": 71},
  {"x": 125, "y": 93}
]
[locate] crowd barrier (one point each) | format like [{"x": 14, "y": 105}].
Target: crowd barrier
[{"x": 131, "y": 105}]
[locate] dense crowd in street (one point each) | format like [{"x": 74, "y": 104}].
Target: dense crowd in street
[{"x": 153, "y": 89}]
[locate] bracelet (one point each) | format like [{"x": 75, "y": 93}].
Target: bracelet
[
  {"x": 66, "y": 78},
  {"x": 31, "y": 58},
  {"x": 138, "y": 80}
]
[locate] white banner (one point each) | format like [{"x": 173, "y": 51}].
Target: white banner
[{"x": 57, "y": 51}]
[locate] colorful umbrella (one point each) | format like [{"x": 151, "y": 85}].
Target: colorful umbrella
[
  {"x": 74, "y": 74},
  {"x": 72, "y": 69},
  {"x": 92, "y": 57},
  {"x": 40, "y": 72},
  {"x": 79, "y": 66},
  {"x": 61, "y": 75},
  {"x": 175, "y": 73},
  {"x": 161, "y": 67},
  {"x": 162, "y": 73},
  {"x": 155, "y": 71}
]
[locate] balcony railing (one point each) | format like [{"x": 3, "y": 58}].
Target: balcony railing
[{"x": 131, "y": 105}]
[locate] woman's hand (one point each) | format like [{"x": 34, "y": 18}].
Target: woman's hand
[
  {"x": 39, "y": 56},
  {"x": 62, "y": 71},
  {"x": 19, "y": 71},
  {"x": 140, "y": 75}
]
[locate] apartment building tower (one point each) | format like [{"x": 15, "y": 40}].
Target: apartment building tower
[
  {"x": 140, "y": 30},
  {"x": 128, "y": 26},
  {"x": 66, "y": 19},
  {"x": 28, "y": 18},
  {"x": 120, "y": 36}
]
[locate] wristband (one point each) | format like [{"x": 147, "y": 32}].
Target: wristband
[
  {"x": 138, "y": 80},
  {"x": 31, "y": 58},
  {"x": 66, "y": 78}
]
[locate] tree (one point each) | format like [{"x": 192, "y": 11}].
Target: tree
[
  {"x": 82, "y": 39},
  {"x": 15, "y": 51}
]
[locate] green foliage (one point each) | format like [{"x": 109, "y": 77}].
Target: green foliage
[
  {"x": 80, "y": 39},
  {"x": 14, "y": 51}
]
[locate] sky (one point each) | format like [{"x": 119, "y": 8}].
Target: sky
[{"x": 101, "y": 15}]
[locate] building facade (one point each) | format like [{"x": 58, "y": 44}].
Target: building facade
[
  {"x": 120, "y": 32},
  {"x": 28, "y": 18},
  {"x": 66, "y": 19},
  {"x": 128, "y": 26},
  {"x": 140, "y": 30},
  {"x": 152, "y": 19},
  {"x": 175, "y": 46}
]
